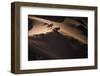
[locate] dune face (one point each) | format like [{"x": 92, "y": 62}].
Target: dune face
[
  {"x": 54, "y": 45},
  {"x": 56, "y": 39}
]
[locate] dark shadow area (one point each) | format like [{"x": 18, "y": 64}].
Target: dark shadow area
[{"x": 54, "y": 45}]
